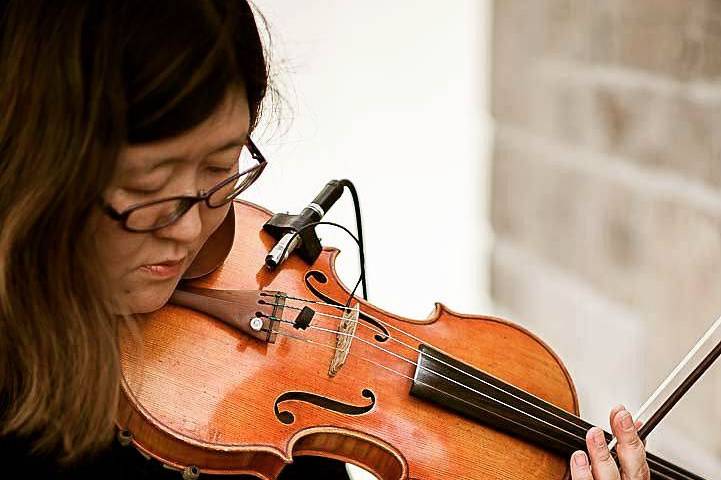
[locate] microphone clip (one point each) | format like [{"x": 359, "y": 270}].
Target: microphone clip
[{"x": 282, "y": 227}]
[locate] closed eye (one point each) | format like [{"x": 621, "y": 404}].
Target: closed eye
[
  {"x": 136, "y": 191},
  {"x": 220, "y": 169}
]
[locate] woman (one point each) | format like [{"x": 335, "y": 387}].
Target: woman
[{"x": 108, "y": 106}]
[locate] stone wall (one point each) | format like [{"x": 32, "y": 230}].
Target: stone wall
[{"x": 606, "y": 197}]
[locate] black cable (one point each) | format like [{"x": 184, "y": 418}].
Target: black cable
[
  {"x": 362, "y": 275},
  {"x": 358, "y": 240},
  {"x": 359, "y": 227}
]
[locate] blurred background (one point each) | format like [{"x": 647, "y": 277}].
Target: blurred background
[{"x": 554, "y": 162}]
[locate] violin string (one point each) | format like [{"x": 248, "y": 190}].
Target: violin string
[
  {"x": 417, "y": 365},
  {"x": 470, "y": 375},
  {"x": 411, "y": 362},
  {"x": 578, "y": 438},
  {"x": 653, "y": 464},
  {"x": 302, "y": 339},
  {"x": 335, "y": 332},
  {"x": 542, "y": 407},
  {"x": 581, "y": 425}
]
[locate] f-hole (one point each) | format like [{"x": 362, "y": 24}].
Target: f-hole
[
  {"x": 321, "y": 278},
  {"x": 326, "y": 403}
]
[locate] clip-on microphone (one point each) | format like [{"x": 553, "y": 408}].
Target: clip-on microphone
[{"x": 283, "y": 227}]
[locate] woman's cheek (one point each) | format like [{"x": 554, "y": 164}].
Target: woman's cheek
[
  {"x": 119, "y": 256},
  {"x": 122, "y": 254}
]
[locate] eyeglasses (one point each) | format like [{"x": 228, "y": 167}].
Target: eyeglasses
[{"x": 157, "y": 214}]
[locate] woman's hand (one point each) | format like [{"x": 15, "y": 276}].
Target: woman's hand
[{"x": 631, "y": 452}]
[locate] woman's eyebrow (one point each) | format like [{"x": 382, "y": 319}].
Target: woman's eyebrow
[
  {"x": 230, "y": 144},
  {"x": 236, "y": 142}
]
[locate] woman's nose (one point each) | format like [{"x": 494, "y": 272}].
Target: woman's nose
[{"x": 185, "y": 229}]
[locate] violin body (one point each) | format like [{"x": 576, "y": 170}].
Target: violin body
[{"x": 202, "y": 396}]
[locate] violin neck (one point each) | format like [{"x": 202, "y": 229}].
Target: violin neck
[{"x": 479, "y": 396}]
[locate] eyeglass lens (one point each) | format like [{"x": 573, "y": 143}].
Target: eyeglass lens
[{"x": 161, "y": 214}]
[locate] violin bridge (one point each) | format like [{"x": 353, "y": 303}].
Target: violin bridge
[{"x": 344, "y": 338}]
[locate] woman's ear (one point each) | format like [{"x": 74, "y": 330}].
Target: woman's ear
[{"x": 216, "y": 248}]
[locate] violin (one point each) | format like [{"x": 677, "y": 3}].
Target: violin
[{"x": 246, "y": 369}]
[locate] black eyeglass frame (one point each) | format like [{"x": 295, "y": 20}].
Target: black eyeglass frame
[{"x": 191, "y": 200}]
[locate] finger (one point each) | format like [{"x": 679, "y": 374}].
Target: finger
[
  {"x": 619, "y": 408},
  {"x": 639, "y": 424},
  {"x": 614, "y": 411},
  {"x": 580, "y": 468},
  {"x": 602, "y": 464},
  {"x": 631, "y": 451}
]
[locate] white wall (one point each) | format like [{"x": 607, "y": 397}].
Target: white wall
[{"x": 390, "y": 95}]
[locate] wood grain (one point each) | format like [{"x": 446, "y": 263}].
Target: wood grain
[{"x": 197, "y": 392}]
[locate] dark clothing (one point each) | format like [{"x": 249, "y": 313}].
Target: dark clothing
[{"x": 125, "y": 463}]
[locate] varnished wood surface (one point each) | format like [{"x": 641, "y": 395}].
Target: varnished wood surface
[{"x": 197, "y": 392}]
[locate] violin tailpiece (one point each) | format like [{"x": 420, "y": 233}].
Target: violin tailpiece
[{"x": 254, "y": 312}]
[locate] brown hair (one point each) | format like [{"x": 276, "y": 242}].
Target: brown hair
[{"x": 78, "y": 80}]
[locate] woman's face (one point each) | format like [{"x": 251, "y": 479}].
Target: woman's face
[{"x": 182, "y": 165}]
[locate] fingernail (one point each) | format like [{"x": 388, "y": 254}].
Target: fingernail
[
  {"x": 580, "y": 459},
  {"x": 599, "y": 439},
  {"x": 626, "y": 421}
]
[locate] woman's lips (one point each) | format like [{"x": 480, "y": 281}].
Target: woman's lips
[{"x": 163, "y": 270}]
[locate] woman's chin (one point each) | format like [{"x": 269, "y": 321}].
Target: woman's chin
[{"x": 150, "y": 299}]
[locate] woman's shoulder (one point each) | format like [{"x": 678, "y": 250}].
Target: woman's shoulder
[
  {"x": 16, "y": 456},
  {"x": 114, "y": 462}
]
